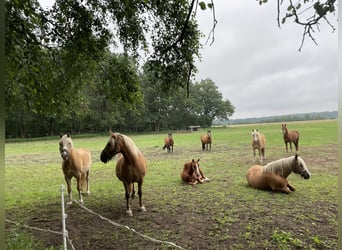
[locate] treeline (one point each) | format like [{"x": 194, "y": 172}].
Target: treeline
[
  {"x": 98, "y": 103},
  {"x": 283, "y": 118}
]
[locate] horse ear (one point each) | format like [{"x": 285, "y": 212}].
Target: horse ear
[
  {"x": 193, "y": 160},
  {"x": 60, "y": 135},
  {"x": 111, "y": 132},
  {"x": 198, "y": 159},
  {"x": 68, "y": 134},
  {"x": 296, "y": 157}
]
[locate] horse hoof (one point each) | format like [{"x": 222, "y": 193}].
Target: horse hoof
[
  {"x": 129, "y": 213},
  {"x": 69, "y": 203},
  {"x": 142, "y": 209},
  {"x": 206, "y": 179}
]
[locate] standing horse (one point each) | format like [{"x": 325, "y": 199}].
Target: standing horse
[
  {"x": 273, "y": 175},
  {"x": 289, "y": 137},
  {"x": 76, "y": 163},
  {"x": 131, "y": 166},
  {"x": 192, "y": 173},
  {"x": 206, "y": 141},
  {"x": 168, "y": 143},
  {"x": 258, "y": 142}
]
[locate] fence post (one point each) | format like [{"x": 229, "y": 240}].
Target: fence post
[{"x": 65, "y": 232}]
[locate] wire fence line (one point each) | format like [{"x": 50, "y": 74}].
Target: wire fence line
[{"x": 128, "y": 228}]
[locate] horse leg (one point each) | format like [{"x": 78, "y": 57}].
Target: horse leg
[
  {"x": 79, "y": 188},
  {"x": 87, "y": 181},
  {"x": 286, "y": 147},
  {"x": 68, "y": 181},
  {"x": 210, "y": 146},
  {"x": 141, "y": 205},
  {"x": 128, "y": 193},
  {"x": 292, "y": 188},
  {"x": 254, "y": 154},
  {"x": 296, "y": 145},
  {"x": 290, "y": 146},
  {"x": 263, "y": 154}
]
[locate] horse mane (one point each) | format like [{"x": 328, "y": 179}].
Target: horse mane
[
  {"x": 131, "y": 148},
  {"x": 280, "y": 166}
]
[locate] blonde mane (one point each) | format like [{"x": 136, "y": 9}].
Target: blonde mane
[
  {"x": 281, "y": 167},
  {"x": 130, "y": 146}
]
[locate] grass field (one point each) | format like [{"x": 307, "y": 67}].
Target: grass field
[{"x": 222, "y": 214}]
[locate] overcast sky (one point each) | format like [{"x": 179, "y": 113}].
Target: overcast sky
[{"x": 257, "y": 66}]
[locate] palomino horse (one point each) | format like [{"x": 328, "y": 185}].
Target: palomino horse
[
  {"x": 290, "y": 136},
  {"x": 258, "y": 142},
  {"x": 168, "y": 143},
  {"x": 273, "y": 175},
  {"x": 206, "y": 141},
  {"x": 76, "y": 163},
  {"x": 192, "y": 173},
  {"x": 131, "y": 166}
]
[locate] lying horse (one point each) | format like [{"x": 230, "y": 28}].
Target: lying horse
[
  {"x": 289, "y": 137},
  {"x": 131, "y": 166},
  {"x": 206, "y": 141},
  {"x": 76, "y": 163},
  {"x": 258, "y": 142},
  {"x": 192, "y": 173},
  {"x": 273, "y": 175},
  {"x": 168, "y": 143}
]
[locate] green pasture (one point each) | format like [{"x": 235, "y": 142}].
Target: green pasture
[{"x": 224, "y": 213}]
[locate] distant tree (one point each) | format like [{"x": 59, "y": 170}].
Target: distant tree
[{"x": 209, "y": 101}]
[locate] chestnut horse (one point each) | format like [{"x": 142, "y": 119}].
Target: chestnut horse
[
  {"x": 192, "y": 173},
  {"x": 131, "y": 166},
  {"x": 76, "y": 163},
  {"x": 206, "y": 141},
  {"x": 289, "y": 137},
  {"x": 259, "y": 143},
  {"x": 168, "y": 143},
  {"x": 273, "y": 175}
]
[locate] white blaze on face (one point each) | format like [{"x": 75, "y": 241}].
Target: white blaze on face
[
  {"x": 255, "y": 135},
  {"x": 196, "y": 169}
]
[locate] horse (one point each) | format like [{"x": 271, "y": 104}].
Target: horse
[
  {"x": 192, "y": 173},
  {"x": 131, "y": 166},
  {"x": 206, "y": 141},
  {"x": 273, "y": 175},
  {"x": 289, "y": 137},
  {"x": 258, "y": 142},
  {"x": 168, "y": 143},
  {"x": 76, "y": 163}
]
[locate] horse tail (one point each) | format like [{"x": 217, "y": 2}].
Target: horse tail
[{"x": 203, "y": 145}]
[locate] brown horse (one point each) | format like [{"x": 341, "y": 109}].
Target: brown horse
[
  {"x": 206, "y": 141},
  {"x": 273, "y": 175},
  {"x": 168, "y": 143},
  {"x": 76, "y": 163},
  {"x": 131, "y": 166},
  {"x": 192, "y": 173},
  {"x": 259, "y": 143},
  {"x": 289, "y": 137}
]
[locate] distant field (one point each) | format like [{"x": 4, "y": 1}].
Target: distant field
[{"x": 221, "y": 214}]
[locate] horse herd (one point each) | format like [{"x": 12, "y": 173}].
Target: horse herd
[{"x": 131, "y": 165}]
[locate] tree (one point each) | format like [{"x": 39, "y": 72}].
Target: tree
[
  {"x": 307, "y": 13},
  {"x": 209, "y": 103}
]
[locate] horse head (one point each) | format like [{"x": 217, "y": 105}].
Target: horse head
[
  {"x": 65, "y": 145},
  {"x": 299, "y": 167},
  {"x": 111, "y": 149},
  {"x": 195, "y": 167},
  {"x": 255, "y": 135},
  {"x": 284, "y": 129},
  {"x": 209, "y": 133}
]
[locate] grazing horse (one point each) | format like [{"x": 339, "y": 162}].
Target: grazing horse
[
  {"x": 273, "y": 175},
  {"x": 289, "y": 137},
  {"x": 206, "y": 141},
  {"x": 131, "y": 166},
  {"x": 192, "y": 173},
  {"x": 168, "y": 143},
  {"x": 76, "y": 163},
  {"x": 258, "y": 142}
]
